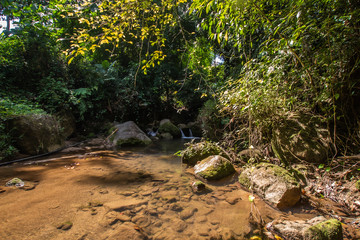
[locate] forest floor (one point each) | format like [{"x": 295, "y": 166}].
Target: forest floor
[{"x": 103, "y": 194}]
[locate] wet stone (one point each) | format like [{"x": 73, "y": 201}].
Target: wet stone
[
  {"x": 227, "y": 234},
  {"x": 64, "y": 226},
  {"x": 202, "y": 219},
  {"x": 175, "y": 207},
  {"x": 187, "y": 213},
  {"x": 124, "y": 204},
  {"x": 179, "y": 225},
  {"x": 203, "y": 230},
  {"x": 142, "y": 221},
  {"x": 233, "y": 200}
]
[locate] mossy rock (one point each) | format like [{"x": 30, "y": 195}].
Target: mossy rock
[
  {"x": 36, "y": 133},
  {"x": 214, "y": 168},
  {"x": 199, "y": 151},
  {"x": 273, "y": 183},
  {"x": 169, "y": 127},
  {"x": 328, "y": 230},
  {"x": 300, "y": 137},
  {"x": 357, "y": 185}
]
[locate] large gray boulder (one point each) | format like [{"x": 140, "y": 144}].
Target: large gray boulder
[
  {"x": 300, "y": 137},
  {"x": 317, "y": 228},
  {"x": 274, "y": 184},
  {"x": 36, "y": 133},
  {"x": 214, "y": 168},
  {"x": 129, "y": 134}
]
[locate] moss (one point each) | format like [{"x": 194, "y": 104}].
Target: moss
[
  {"x": 168, "y": 127},
  {"x": 217, "y": 171},
  {"x": 198, "y": 183},
  {"x": 199, "y": 151},
  {"x": 328, "y": 230},
  {"x": 244, "y": 180},
  {"x": 357, "y": 185},
  {"x": 280, "y": 172}
]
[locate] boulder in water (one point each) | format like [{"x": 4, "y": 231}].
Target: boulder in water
[
  {"x": 273, "y": 183},
  {"x": 36, "y": 133},
  {"x": 199, "y": 151},
  {"x": 316, "y": 228},
  {"x": 166, "y": 126},
  {"x": 129, "y": 134},
  {"x": 214, "y": 168}
]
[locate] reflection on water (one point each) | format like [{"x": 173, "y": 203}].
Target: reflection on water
[{"x": 174, "y": 211}]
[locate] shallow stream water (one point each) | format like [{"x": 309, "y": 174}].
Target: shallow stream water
[{"x": 134, "y": 193}]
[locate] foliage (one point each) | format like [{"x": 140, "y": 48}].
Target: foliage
[
  {"x": 121, "y": 24},
  {"x": 298, "y": 54}
]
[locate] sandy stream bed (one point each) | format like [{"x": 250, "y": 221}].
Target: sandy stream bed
[{"x": 125, "y": 195}]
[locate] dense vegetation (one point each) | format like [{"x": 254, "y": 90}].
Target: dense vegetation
[{"x": 144, "y": 60}]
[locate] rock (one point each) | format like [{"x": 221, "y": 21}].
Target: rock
[
  {"x": 199, "y": 151},
  {"x": 166, "y": 126},
  {"x": 301, "y": 137},
  {"x": 129, "y": 134},
  {"x": 127, "y": 231},
  {"x": 198, "y": 186},
  {"x": 166, "y": 136},
  {"x": 214, "y": 168},
  {"x": 317, "y": 228},
  {"x": 357, "y": 185},
  {"x": 36, "y": 133},
  {"x": 67, "y": 122},
  {"x": 227, "y": 234},
  {"x": 65, "y": 226},
  {"x": 233, "y": 200},
  {"x": 328, "y": 230},
  {"x": 179, "y": 225},
  {"x": 187, "y": 213},
  {"x": 124, "y": 204},
  {"x": 273, "y": 183},
  {"x": 141, "y": 220}
]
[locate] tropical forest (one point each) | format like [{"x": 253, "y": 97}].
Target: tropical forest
[{"x": 179, "y": 119}]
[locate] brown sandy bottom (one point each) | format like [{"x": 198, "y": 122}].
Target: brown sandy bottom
[{"x": 124, "y": 195}]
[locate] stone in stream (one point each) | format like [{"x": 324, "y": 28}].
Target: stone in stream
[
  {"x": 124, "y": 204},
  {"x": 127, "y": 230},
  {"x": 187, "y": 213},
  {"x": 199, "y": 151},
  {"x": 128, "y": 133},
  {"x": 214, "y": 168},
  {"x": 317, "y": 228},
  {"x": 65, "y": 226},
  {"x": 167, "y": 127},
  {"x": 274, "y": 184}
]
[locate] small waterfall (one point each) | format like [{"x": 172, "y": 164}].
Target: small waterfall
[
  {"x": 183, "y": 136},
  {"x": 190, "y": 133},
  {"x": 182, "y": 133}
]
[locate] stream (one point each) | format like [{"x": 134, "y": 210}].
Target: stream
[{"x": 133, "y": 193}]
